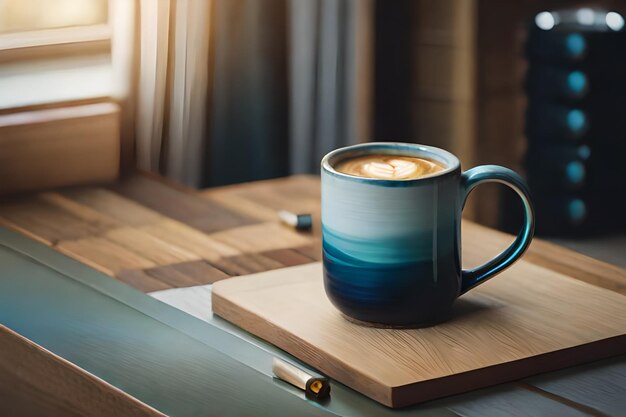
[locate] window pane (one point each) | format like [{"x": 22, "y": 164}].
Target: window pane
[{"x": 23, "y": 15}]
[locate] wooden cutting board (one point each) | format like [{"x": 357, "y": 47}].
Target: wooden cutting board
[{"x": 526, "y": 321}]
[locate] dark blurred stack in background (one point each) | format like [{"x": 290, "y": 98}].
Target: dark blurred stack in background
[{"x": 576, "y": 121}]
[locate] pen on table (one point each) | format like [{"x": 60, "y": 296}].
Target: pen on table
[
  {"x": 313, "y": 386},
  {"x": 298, "y": 221}
]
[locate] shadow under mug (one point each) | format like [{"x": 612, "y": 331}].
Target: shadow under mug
[{"x": 392, "y": 248}]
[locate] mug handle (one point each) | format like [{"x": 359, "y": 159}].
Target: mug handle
[{"x": 494, "y": 173}]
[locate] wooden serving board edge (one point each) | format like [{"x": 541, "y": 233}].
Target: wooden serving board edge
[
  {"x": 515, "y": 370},
  {"x": 300, "y": 349},
  {"x": 422, "y": 391}
]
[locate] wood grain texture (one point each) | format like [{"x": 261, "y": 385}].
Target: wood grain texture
[
  {"x": 247, "y": 264},
  {"x": 186, "y": 274},
  {"x": 140, "y": 280},
  {"x": 521, "y": 323},
  {"x": 42, "y": 383},
  {"x": 262, "y": 237},
  {"x": 288, "y": 257},
  {"x": 149, "y": 247},
  {"x": 104, "y": 255},
  {"x": 115, "y": 206},
  {"x": 87, "y": 212},
  {"x": 190, "y": 239},
  {"x": 51, "y": 222},
  {"x": 59, "y": 218},
  {"x": 47, "y": 43},
  {"x": 183, "y": 206},
  {"x": 59, "y": 147},
  {"x": 297, "y": 194},
  {"x": 81, "y": 211}
]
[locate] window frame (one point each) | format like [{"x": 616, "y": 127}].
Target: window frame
[{"x": 57, "y": 42}]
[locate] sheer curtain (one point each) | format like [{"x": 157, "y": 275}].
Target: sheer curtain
[
  {"x": 240, "y": 90},
  {"x": 331, "y": 70},
  {"x": 173, "y": 83}
]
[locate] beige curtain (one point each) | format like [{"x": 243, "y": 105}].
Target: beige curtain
[{"x": 173, "y": 87}]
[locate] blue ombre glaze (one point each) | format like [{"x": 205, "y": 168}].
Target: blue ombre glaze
[
  {"x": 398, "y": 294},
  {"x": 391, "y": 248}
]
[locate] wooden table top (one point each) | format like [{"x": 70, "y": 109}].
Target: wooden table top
[{"x": 155, "y": 235}]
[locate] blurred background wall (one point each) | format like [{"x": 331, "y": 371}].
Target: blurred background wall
[{"x": 218, "y": 92}]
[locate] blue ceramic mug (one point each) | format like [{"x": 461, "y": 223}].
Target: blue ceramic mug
[{"x": 392, "y": 248}]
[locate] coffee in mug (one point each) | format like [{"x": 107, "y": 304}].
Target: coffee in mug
[
  {"x": 392, "y": 167},
  {"x": 391, "y": 231}
]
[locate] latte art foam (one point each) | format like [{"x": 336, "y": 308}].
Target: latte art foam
[{"x": 388, "y": 167}]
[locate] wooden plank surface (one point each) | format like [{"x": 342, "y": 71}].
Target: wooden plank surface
[
  {"x": 526, "y": 321},
  {"x": 142, "y": 223},
  {"x": 78, "y": 224},
  {"x": 179, "y": 205}
]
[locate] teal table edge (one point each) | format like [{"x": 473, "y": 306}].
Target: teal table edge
[{"x": 166, "y": 358}]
